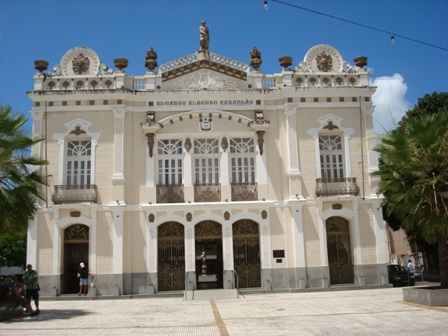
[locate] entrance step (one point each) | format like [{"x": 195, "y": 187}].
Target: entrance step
[{"x": 211, "y": 294}]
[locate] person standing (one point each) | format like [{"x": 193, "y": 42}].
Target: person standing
[
  {"x": 83, "y": 275},
  {"x": 411, "y": 271},
  {"x": 32, "y": 286}
]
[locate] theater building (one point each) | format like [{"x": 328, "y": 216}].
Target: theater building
[{"x": 204, "y": 172}]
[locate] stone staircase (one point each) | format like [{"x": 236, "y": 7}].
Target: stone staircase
[{"x": 211, "y": 294}]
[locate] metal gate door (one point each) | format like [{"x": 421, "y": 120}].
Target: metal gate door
[
  {"x": 339, "y": 251},
  {"x": 76, "y": 250},
  {"x": 171, "y": 257},
  {"x": 246, "y": 253}
]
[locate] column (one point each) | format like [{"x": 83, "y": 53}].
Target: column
[
  {"x": 379, "y": 231},
  {"x": 299, "y": 238},
  {"x": 190, "y": 253},
  {"x": 293, "y": 151},
  {"x": 187, "y": 175},
  {"x": 357, "y": 258},
  {"x": 227, "y": 246},
  {"x": 150, "y": 164},
  {"x": 117, "y": 241},
  {"x": 322, "y": 234},
  {"x": 38, "y": 131},
  {"x": 152, "y": 243},
  {"x": 57, "y": 243},
  {"x": 118, "y": 144}
]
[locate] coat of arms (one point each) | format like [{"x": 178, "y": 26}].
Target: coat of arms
[
  {"x": 81, "y": 64},
  {"x": 324, "y": 62}
]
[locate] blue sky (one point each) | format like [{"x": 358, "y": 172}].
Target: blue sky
[{"x": 403, "y": 71}]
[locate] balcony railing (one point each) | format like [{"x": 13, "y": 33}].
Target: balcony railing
[
  {"x": 75, "y": 194},
  {"x": 207, "y": 192},
  {"x": 244, "y": 192},
  {"x": 170, "y": 193},
  {"x": 336, "y": 186}
]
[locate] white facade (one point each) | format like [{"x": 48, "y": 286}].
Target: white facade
[{"x": 270, "y": 174}]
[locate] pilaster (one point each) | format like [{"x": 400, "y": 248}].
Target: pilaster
[
  {"x": 118, "y": 144},
  {"x": 294, "y": 173},
  {"x": 298, "y": 235},
  {"x": 117, "y": 240}
]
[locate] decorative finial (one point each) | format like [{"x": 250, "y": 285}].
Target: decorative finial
[
  {"x": 255, "y": 58},
  {"x": 120, "y": 63},
  {"x": 151, "y": 59},
  {"x": 40, "y": 65},
  {"x": 360, "y": 61},
  {"x": 285, "y": 61}
]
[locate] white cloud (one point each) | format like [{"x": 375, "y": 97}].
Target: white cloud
[{"x": 389, "y": 100}]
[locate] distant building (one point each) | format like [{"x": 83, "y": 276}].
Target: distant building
[{"x": 268, "y": 173}]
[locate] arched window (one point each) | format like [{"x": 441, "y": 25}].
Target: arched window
[
  {"x": 206, "y": 161},
  {"x": 331, "y": 156},
  {"x": 242, "y": 159},
  {"x": 78, "y": 162}
]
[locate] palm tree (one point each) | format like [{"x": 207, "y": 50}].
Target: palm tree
[
  {"x": 414, "y": 179},
  {"x": 20, "y": 181}
]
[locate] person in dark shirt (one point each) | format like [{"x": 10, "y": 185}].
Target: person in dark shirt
[
  {"x": 32, "y": 286},
  {"x": 6, "y": 289},
  {"x": 83, "y": 275},
  {"x": 18, "y": 297}
]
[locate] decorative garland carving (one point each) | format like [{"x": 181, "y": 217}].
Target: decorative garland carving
[
  {"x": 150, "y": 141},
  {"x": 260, "y": 141},
  {"x": 224, "y": 144}
]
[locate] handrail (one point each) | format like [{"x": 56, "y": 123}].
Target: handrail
[{"x": 238, "y": 291}]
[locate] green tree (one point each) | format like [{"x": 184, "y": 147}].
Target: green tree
[
  {"x": 414, "y": 178},
  {"x": 20, "y": 180},
  {"x": 13, "y": 248}
]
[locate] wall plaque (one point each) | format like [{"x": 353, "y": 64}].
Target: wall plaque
[{"x": 279, "y": 253}]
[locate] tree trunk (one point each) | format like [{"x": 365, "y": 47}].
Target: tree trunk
[{"x": 443, "y": 259}]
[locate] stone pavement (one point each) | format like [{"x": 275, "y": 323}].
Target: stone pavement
[{"x": 351, "y": 312}]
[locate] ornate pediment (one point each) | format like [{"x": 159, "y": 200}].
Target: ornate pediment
[
  {"x": 80, "y": 61},
  {"x": 203, "y": 70},
  {"x": 204, "y": 79},
  {"x": 323, "y": 58}
]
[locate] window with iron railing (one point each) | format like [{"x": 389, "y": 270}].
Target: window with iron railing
[
  {"x": 242, "y": 164},
  {"x": 78, "y": 162},
  {"x": 331, "y": 156},
  {"x": 169, "y": 171}
]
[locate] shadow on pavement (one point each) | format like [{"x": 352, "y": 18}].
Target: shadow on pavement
[{"x": 46, "y": 315}]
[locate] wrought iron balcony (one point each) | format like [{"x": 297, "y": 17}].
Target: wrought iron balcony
[
  {"x": 81, "y": 193},
  {"x": 207, "y": 192},
  {"x": 244, "y": 192},
  {"x": 170, "y": 193},
  {"x": 336, "y": 186}
]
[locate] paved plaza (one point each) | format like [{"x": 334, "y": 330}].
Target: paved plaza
[{"x": 350, "y": 312}]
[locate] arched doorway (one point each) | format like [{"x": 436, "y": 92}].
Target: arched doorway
[
  {"x": 171, "y": 257},
  {"x": 209, "y": 260},
  {"x": 76, "y": 250},
  {"x": 339, "y": 250},
  {"x": 246, "y": 253}
]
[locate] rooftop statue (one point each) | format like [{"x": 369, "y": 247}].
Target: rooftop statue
[{"x": 204, "y": 37}]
